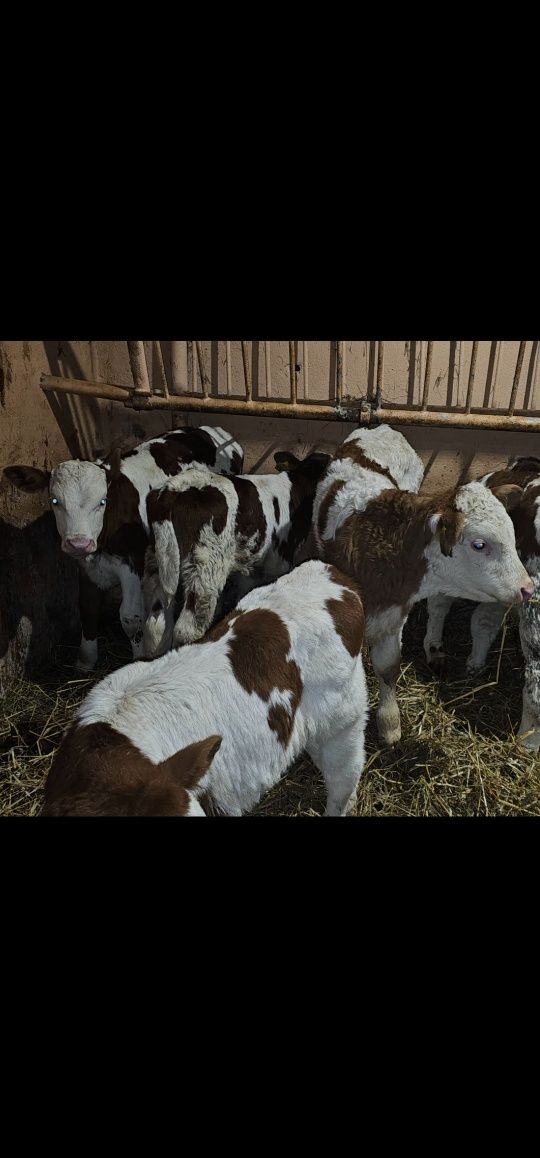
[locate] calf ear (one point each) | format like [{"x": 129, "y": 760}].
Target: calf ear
[
  {"x": 448, "y": 525},
  {"x": 189, "y": 764},
  {"x": 509, "y": 495},
  {"x": 27, "y": 478},
  {"x": 285, "y": 460}
]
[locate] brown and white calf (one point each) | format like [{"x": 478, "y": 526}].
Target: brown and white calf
[
  {"x": 487, "y": 618},
  {"x": 100, "y": 512},
  {"x": 213, "y": 726},
  {"x": 204, "y": 529},
  {"x": 402, "y": 547}
]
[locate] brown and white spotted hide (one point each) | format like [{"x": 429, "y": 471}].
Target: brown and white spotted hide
[
  {"x": 210, "y": 728},
  {"x": 100, "y": 513},
  {"x": 204, "y": 530}
]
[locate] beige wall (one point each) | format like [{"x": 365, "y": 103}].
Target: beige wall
[{"x": 43, "y": 430}]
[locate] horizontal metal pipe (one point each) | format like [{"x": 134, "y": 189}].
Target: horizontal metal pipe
[
  {"x": 49, "y": 382},
  {"x": 352, "y": 413}
]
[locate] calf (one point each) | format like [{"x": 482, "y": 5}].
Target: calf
[
  {"x": 100, "y": 512},
  {"x": 204, "y": 529},
  {"x": 212, "y": 727},
  {"x": 487, "y": 618},
  {"x": 401, "y": 547}
]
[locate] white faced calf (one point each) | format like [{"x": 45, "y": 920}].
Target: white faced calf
[
  {"x": 401, "y": 548},
  {"x": 213, "y": 726},
  {"x": 100, "y": 513},
  {"x": 487, "y": 618},
  {"x": 203, "y": 529}
]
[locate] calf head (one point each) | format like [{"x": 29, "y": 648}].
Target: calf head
[
  {"x": 313, "y": 465},
  {"x": 78, "y": 496},
  {"x": 475, "y": 537},
  {"x": 99, "y": 772}
]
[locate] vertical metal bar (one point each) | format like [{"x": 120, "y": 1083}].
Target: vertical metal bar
[
  {"x": 515, "y": 384},
  {"x": 305, "y": 365},
  {"x": 470, "y": 383},
  {"x": 380, "y": 367},
  {"x": 267, "y": 369},
  {"x": 158, "y": 354},
  {"x": 139, "y": 369},
  {"x": 427, "y": 376},
  {"x": 94, "y": 361},
  {"x": 180, "y": 380},
  {"x": 228, "y": 367},
  {"x": 247, "y": 375},
  {"x": 292, "y": 367},
  {"x": 202, "y": 369},
  {"x": 339, "y": 372}
]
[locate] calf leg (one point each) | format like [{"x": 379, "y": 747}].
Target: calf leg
[
  {"x": 197, "y": 613},
  {"x": 132, "y": 609},
  {"x": 386, "y": 657},
  {"x": 438, "y": 607},
  {"x": 341, "y": 761},
  {"x": 159, "y": 611},
  {"x": 89, "y": 608},
  {"x": 486, "y": 623}
]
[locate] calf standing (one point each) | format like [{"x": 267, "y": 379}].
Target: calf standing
[
  {"x": 100, "y": 512},
  {"x": 401, "y": 547},
  {"x": 203, "y": 529},
  {"x": 487, "y": 618},
  {"x": 211, "y": 727}
]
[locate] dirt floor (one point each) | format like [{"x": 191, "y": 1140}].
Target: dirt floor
[{"x": 458, "y": 755}]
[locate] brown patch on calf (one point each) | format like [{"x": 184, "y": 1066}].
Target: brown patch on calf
[
  {"x": 449, "y": 529},
  {"x": 97, "y": 771},
  {"x": 276, "y": 509},
  {"x": 383, "y": 546},
  {"x": 123, "y": 533},
  {"x": 220, "y": 629},
  {"x": 327, "y": 503},
  {"x": 189, "y": 511},
  {"x": 237, "y": 462},
  {"x": 250, "y": 520},
  {"x": 304, "y": 476},
  {"x": 353, "y": 451},
  {"x": 181, "y": 447},
  {"x": 348, "y": 616},
  {"x": 257, "y": 650},
  {"x": 523, "y": 517}
]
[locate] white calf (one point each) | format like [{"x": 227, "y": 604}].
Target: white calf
[{"x": 211, "y": 727}]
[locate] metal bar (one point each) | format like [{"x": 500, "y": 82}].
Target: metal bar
[
  {"x": 380, "y": 364},
  {"x": 158, "y": 354},
  {"x": 267, "y": 369},
  {"x": 179, "y": 366},
  {"x": 94, "y": 361},
  {"x": 202, "y": 369},
  {"x": 470, "y": 383},
  {"x": 515, "y": 384},
  {"x": 427, "y": 376},
  {"x": 292, "y": 368},
  {"x": 228, "y": 365},
  {"x": 139, "y": 369},
  {"x": 49, "y": 382},
  {"x": 339, "y": 372},
  {"x": 247, "y": 375},
  {"x": 305, "y": 368}
]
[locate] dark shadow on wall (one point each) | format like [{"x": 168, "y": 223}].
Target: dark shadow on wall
[
  {"x": 490, "y": 373},
  {"x": 78, "y": 418},
  {"x": 38, "y": 597}
]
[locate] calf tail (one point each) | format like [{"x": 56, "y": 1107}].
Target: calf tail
[{"x": 167, "y": 554}]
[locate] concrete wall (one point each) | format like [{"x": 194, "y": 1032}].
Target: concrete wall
[{"x": 44, "y": 430}]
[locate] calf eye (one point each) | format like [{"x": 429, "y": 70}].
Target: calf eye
[
  {"x": 54, "y": 502},
  {"x": 478, "y": 544},
  {"x": 102, "y": 502}
]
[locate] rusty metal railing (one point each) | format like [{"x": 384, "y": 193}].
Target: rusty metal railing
[{"x": 187, "y": 356}]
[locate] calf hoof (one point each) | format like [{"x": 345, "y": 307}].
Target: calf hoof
[
  {"x": 84, "y": 668},
  {"x": 530, "y": 743},
  {"x": 437, "y": 662},
  {"x": 473, "y": 668}
]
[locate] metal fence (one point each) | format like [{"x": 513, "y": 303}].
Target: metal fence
[{"x": 187, "y": 359}]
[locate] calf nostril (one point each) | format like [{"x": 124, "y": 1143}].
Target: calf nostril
[{"x": 527, "y": 591}]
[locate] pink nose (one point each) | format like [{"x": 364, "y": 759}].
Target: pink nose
[
  {"x": 78, "y": 545},
  {"x": 527, "y": 591}
]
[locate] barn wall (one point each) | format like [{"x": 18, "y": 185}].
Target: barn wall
[{"x": 38, "y": 584}]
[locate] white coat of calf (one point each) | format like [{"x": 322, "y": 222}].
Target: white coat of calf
[
  {"x": 401, "y": 547},
  {"x": 213, "y": 726},
  {"x": 204, "y": 529},
  {"x": 487, "y": 618},
  {"x": 367, "y": 463},
  {"x": 100, "y": 513}
]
